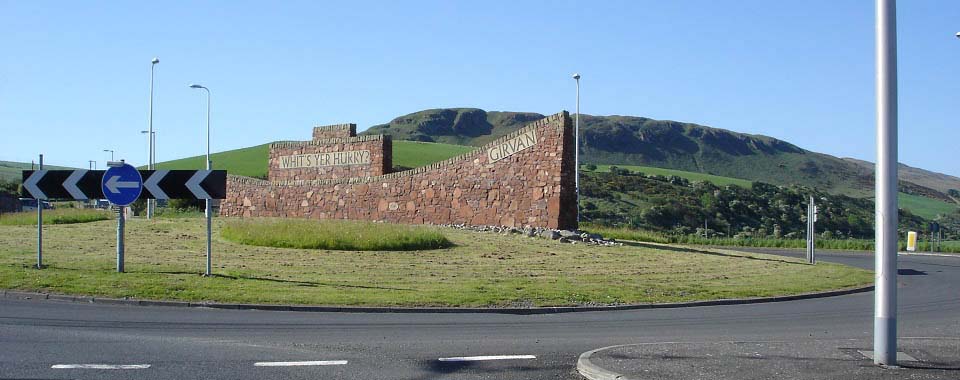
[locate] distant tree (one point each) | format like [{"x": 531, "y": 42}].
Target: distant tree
[
  {"x": 591, "y": 167},
  {"x": 954, "y": 193}
]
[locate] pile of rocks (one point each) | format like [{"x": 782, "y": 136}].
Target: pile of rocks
[{"x": 564, "y": 236}]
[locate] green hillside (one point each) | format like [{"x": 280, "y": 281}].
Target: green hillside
[
  {"x": 692, "y": 176},
  {"x": 412, "y": 154},
  {"x": 639, "y": 141},
  {"x": 252, "y": 161},
  {"x": 11, "y": 171},
  {"x": 926, "y": 207}
]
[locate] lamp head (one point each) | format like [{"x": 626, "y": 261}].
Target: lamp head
[
  {"x": 958, "y": 34},
  {"x": 155, "y": 61},
  {"x": 196, "y": 86},
  {"x": 576, "y": 76}
]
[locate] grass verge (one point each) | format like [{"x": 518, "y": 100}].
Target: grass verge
[
  {"x": 334, "y": 235},
  {"x": 621, "y": 233},
  {"x": 55, "y": 216},
  {"x": 165, "y": 259}
]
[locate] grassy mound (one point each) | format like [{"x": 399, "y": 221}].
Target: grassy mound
[
  {"x": 334, "y": 234},
  {"x": 55, "y": 216},
  {"x": 479, "y": 270}
]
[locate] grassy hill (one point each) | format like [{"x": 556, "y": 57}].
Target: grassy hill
[
  {"x": 10, "y": 171},
  {"x": 252, "y": 161},
  {"x": 639, "y": 141},
  {"x": 926, "y": 207},
  {"x": 692, "y": 176}
]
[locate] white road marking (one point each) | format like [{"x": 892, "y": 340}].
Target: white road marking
[
  {"x": 482, "y": 358},
  {"x": 291, "y": 364},
  {"x": 100, "y": 366}
]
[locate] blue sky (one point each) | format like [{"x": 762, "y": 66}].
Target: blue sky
[{"x": 74, "y": 76}]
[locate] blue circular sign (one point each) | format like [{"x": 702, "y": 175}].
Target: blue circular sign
[{"x": 122, "y": 184}]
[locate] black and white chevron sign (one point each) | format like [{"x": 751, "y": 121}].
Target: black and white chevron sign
[{"x": 157, "y": 184}]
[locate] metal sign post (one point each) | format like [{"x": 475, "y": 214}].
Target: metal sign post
[
  {"x": 120, "y": 224},
  {"x": 40, "y": 226},
  {"x": 121, "y": 184},
  {"x": 811, "y": 232}
]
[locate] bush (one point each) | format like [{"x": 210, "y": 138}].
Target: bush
[{"x": 334, "y": 234}]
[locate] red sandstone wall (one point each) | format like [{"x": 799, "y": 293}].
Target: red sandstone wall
[
  {"x": 334, "y": 131},
  {"x": 533, "y": 186},
  {"x": 379, "y": 148}
]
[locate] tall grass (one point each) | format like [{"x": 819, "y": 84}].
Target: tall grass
[
  {"x": 55, "y": 216},
  {"x": 622, "y": 233},
  {"x": 333, "y": 234}
]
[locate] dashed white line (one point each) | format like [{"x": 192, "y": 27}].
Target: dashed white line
[
  {"x": 100, "y": 366},
  {"x": 292, "y": 364},
  {"x": 482, "y": 358}
]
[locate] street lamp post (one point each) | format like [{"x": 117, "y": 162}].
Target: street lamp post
[
  {"x": 150, "y": 137},
  {"x": 885, "y": 308},
  {"x": 92, "y": 164},
  {"x": 111, "y": 153},
  {"x": 576, "y": 154},
  {"x": 208, "y": 208}
]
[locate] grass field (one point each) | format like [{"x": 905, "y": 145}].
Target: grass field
[
  {"x": 715, "y": 179},
  {"x": 925, "y": 207},
  {"x": 335, "y": 235},
  {"x": 165, "y": 258}
]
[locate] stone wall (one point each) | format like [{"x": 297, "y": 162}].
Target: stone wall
[
  {"x": 525, "y": 178},
  {"x": 332, "y": 158},
  {"x": 334, "y": 131}
]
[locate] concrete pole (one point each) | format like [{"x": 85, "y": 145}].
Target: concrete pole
[{"x": 885, "y": 310}]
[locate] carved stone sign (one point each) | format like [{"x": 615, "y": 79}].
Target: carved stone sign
[
  {"x": 524, "y": 141},
  {"x": 313, "y": 160}
]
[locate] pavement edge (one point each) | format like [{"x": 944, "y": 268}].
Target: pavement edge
[{"x": 362, "y": 309}]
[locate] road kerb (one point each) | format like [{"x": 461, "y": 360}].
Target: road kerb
[
  {"x": 590, "y": 370},
  {"x": 444, "y": 310}
]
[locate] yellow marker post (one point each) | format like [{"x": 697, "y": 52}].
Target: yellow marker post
[{"x": 912, "y": 241}]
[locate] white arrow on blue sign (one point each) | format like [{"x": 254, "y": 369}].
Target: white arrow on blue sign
[{"x": 122, "y": 184}]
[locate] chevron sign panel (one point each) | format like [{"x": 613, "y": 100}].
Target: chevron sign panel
[{"x": 157, "y": 184}]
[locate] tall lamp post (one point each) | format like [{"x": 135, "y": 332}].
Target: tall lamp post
[
  {"x": 150, "y": 137},
  {"x": 92, "y": 164},
  {"x": 576, "y": 154},
  {"x": 208, "y": 208},
  {"x": 111, "y": 153},
  {"x": 885, "y": 308}
]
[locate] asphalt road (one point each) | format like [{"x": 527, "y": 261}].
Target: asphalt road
[{"x": 190, "y": 343}]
